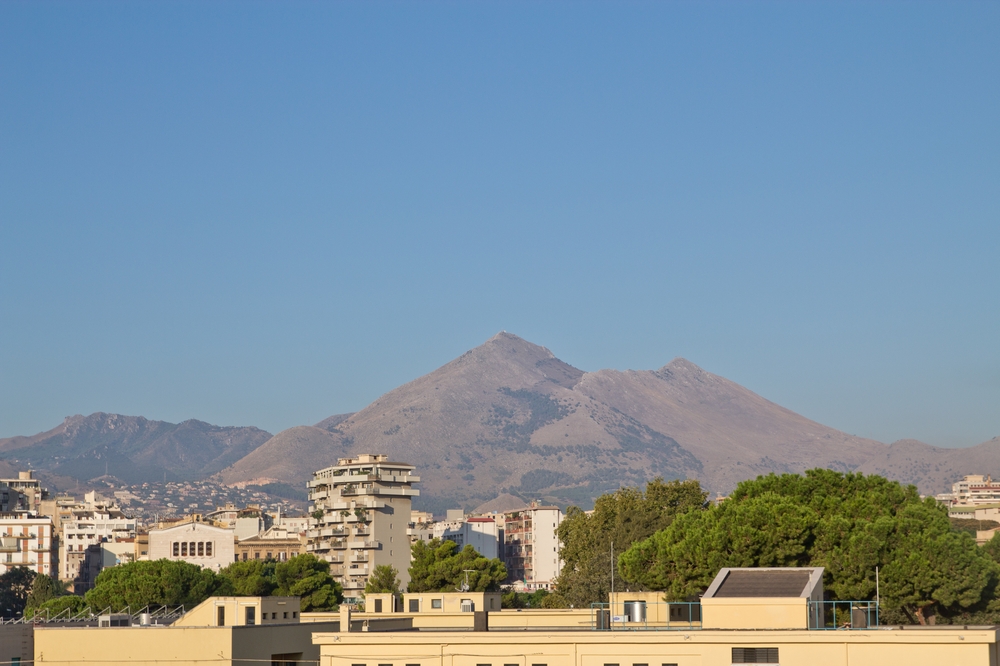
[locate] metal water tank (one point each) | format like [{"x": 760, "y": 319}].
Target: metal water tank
[
  {"x": 635, "y": 611},
  {"x": 145, "y": 619}
]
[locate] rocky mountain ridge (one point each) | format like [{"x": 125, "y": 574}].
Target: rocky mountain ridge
[{"x": 508, "y": 419}]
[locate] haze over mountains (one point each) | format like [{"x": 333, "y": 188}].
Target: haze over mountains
[
  {"x": 508, "y": 417},
  {"x": 131, "y": 448}
]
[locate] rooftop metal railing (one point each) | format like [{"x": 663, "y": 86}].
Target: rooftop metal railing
[{"x": 843, "y": 614}]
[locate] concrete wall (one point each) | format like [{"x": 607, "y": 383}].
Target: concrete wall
[
  {"x": 755, "y": 613},
  {"x": 176, "y": 646},
  {"x": 266, "y": 610},
  {"x": 451, "y": 602},
  {"x": 17, "y": 641},
  {"x": 136, "y": 646},
  {"x": 952, "y": 647}
]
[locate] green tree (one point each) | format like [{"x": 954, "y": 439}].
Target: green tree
[
  {"x": 15, "y": 586},
  {"x": 847, "y": 523},
  {"x": 437, "y": 567},
  {"x": 250, "y": 578},
  {"x": 43, "y": 588},
  {"x": 623, "y": 517},
  {"x": 383, "y": 580},
  {"x": 153, "y": 583},
  {"x": 307, "y": 577},
  {"x": 65, "y": 606}
]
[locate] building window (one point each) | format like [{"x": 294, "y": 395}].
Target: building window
[
  {"x": 244, "y": 556},
  {"x": 414, "y": 605},
  {"x": 256, "y": 555},
  {"x": 284, "y": 616},
  {"x": 251, "y": 615},
  {"x": 378, "y": 605},
  {"x": 268, "y": 555},
  {"x": 201, "y": 549},
  {"x": 221, "y": 616},
  {"x": 191, "y": 548},
  {"x": 755, "y": 655},
  {"x": 177, "y": 549},
  {"x": 295, "y": 614},
  {"x": 208, "y": 549},
  {"x": 435, "y": 603},
  {"x": 184, "y": 548}
]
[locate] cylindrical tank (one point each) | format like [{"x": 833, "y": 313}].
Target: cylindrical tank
[
  {"x": 145, "y": 619},
  {"x": 635, "y": 611}
]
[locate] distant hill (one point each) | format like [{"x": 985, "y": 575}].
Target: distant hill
[
  {"x": 131, "y": 448},
  {"x": 510, "y": 417},
  {"x": 933, "y": 469}
]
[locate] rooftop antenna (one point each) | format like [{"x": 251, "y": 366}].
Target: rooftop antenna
[
  {"x": 611, "y": 597},
  {"x": 465, "y": 585}
]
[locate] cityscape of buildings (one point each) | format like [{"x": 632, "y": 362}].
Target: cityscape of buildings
[{"x": 360, "y": 516}]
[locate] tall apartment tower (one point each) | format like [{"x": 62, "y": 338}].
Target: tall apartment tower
[
  {"x": 360, "y": 513},
  {"x": 531, "y": 546}
]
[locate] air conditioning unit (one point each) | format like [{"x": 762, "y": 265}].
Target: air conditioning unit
[{"x": 468, "y": 606}]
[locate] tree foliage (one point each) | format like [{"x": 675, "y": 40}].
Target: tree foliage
[
  {"x": 848, "y": 523},
  {"x": 43, "y": 589},
  {"x": 536, "y": 599},
  {"x": 623, "y": 517},
  {"x": 437, "y": 567},
  {"x": 250, "y": 578},
  {"x": 153, "y": 583},
  {"x": 308, "y": 577},
  {"x": 15, "y": 586},
  {"x": 69, "y": 604},
  {"x": 383, "y": 580}
]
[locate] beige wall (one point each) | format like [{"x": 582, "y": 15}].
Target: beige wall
[
  {"x": 755, "y": 613},
  {"x": 937, "y": 647},
  {"x": 451, "y": 602},
  {"x": 267, "y": 610},
  {"x": 223, "y": 544},
  {"x": 174, "y": 646},
  {"x": 136, "y": 646}
]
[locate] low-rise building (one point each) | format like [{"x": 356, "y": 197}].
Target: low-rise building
[
  {"x": 747, "y": 616},
  {"x": 208, "y": 546},
  {"x": 229, "y": 631},
  {"x": 260, "y": 548}
]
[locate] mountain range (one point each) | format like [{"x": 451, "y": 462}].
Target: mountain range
[
  {"x": 508, "y": 419},
  {"x": 131, "y": 448}
]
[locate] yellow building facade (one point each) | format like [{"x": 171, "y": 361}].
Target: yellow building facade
[{"x": 876, "y": 647}]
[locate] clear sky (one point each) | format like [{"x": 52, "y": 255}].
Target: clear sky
[{"x": 267, "y": 213}]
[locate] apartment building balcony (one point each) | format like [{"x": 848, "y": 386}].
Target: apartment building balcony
[
  {"x": 365, "y": 544},
  {"x": 357, "y": 571},
  {"x": 361, "y": 556},
  {"x": 9, "y": 544}
]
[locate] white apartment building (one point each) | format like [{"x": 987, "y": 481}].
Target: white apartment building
[
  {"x": 96, "y": 520},
  {"x": 482, "y": 533},
  {"x": 360, "y": 514},
  {"x": 531, "y": 546},
  {"x": 206, "y": 545},
  {"x": 973, "y": 489},
  {"x": 27, "y": 542}
]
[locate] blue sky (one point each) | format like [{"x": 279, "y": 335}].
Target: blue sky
[{"x": 267, "y": 213}]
